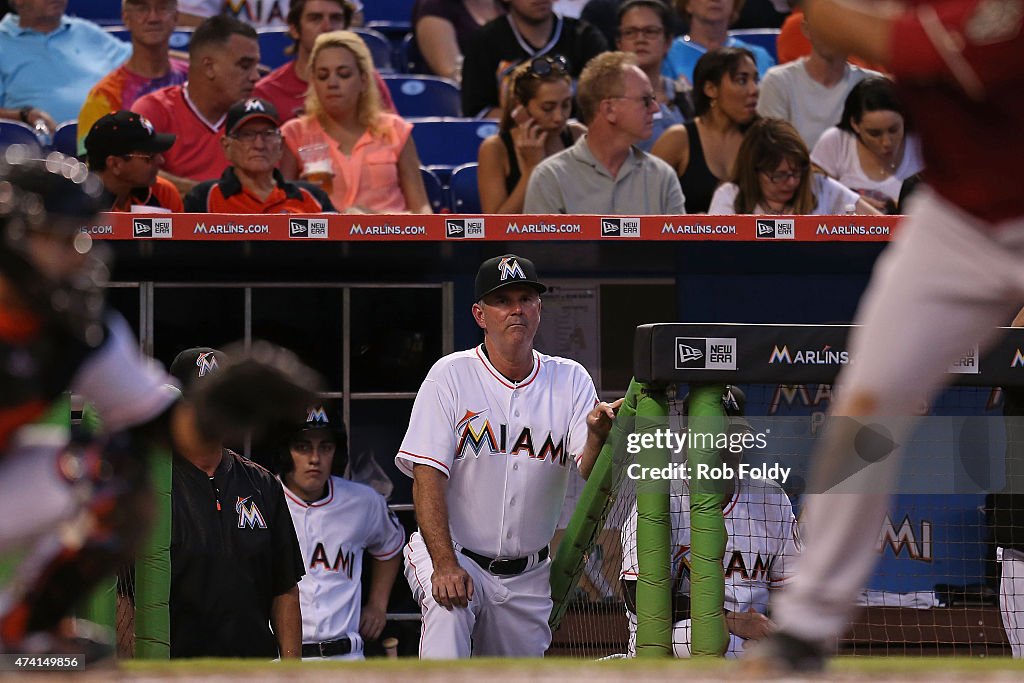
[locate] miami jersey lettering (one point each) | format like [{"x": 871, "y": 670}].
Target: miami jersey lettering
[{"x": 505, "y": 446}]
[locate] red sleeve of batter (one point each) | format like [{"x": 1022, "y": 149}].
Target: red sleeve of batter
[{"x": 977, "y": 43}]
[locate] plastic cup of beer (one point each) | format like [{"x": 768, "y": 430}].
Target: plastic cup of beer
[{"x": 316, "y": 166}]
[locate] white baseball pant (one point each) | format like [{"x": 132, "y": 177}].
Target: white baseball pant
[
  {"x": 507, "y": 617},
  {"x": 942, "y": 286}
]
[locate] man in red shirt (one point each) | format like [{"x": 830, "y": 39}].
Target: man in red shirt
[
  {"x": 223, "y": 59},
  {"x": 952, "y": 275},
  {"x": 252, "y": 183},
  {"x": 286, "y": 86},
  {"x": 126, "y": 153}
]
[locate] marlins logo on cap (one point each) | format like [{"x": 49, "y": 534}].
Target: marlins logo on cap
[
  {"x": 207, "y": 363},
  {"x": 509, "y": 269}
]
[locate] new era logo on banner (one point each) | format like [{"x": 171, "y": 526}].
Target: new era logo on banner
[
  {"x": 308, "y": 228},
  {"x": 705, "y": 353},
  {"x": 464, "y": 228},
  {"x": 775, "y": 229},
  {"x": 620, "y": 227},
  {"x": 158, "y": 228}
]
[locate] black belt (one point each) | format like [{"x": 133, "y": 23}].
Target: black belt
[
  {"x": 504, "y": 567},
  {"x": 331, "y": 648}
]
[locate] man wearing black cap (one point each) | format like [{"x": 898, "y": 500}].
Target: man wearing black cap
[
  {"x": 336, "y": 520},
  {"x": 235, "y": 560},
  {"x": 492, "y": 435},
  {"x": 252, "y": 183},
  {"x": 126, "y": 152}
]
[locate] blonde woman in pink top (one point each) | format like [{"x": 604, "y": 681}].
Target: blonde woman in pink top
[{"x": 363, "y": 157}]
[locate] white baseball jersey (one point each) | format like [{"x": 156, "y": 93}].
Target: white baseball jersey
[
  {"x": 763, "y": 544},
  {"x": 332, "y": 533},
  {"x": 505, "y": 446}
]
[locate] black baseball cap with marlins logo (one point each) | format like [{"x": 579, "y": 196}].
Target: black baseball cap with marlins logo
[
  {"x": 192, "y": 365},
  {"x": 509, "y": 269}
]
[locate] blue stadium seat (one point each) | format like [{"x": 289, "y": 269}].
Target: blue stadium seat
[
  {"x": 18, "y": 133},
  {"x": 179, "y": 39},
  {"x": 273, "y": 42},
  {"x": 424, "y": 95},
  {"x": 380, "y": 49},
  {"x": 464, "y": 191},
  {"x": 762, "y": 37},
  {"x": 435, "y": 191},
  {"x": 408, "y": 56},
  {"x": 65, "y": 138},
  {"x": 390, "y": 11},
  {"x": 450, "y": 142},
  {"x": 105, "y": 12}
]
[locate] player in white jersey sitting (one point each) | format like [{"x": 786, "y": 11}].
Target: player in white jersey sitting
[
  {"x": 759, "y": 554},
  {"x": 492, "y": 435},
  {"x": 335, "y": 521}
]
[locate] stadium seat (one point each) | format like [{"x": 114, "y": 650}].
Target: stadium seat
[
  {"x": 409, "y": 58},
  {"x": 435, "y": 191},
  {"x": 273, "y": 42},
  {"x": 424, "y": 95},
  {"x": 762, "y": 37},
  {"x": 465, "y": 195},
  {"x": 390, "y": 17},
  {"x": 18, "y": 133},
  {"x": 65, "y": 139},
  {"x": 179, "y": 39},
  {"x": 450, "y": 142},
  {"x": 104, "y": 12},
  {"x": 380, "y": 49}
]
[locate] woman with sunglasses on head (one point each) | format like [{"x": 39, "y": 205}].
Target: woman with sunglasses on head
[
  {"x": 725, "y": 100},
  {"x": 534, "y": 125},
  {"x": 363, "y": 157},
  {"x": 773, "y": 175},
  {"x": 869, "y": 150}
]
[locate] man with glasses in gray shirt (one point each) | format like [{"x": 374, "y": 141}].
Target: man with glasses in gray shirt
[{"x": 604, "y": 172}]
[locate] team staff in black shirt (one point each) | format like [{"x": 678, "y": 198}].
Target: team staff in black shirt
[{"x": 235, "y": 560}]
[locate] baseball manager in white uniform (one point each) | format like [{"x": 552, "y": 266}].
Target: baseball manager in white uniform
[{"x": 493, "y": 433}]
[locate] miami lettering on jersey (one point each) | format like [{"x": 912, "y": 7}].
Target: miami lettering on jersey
[
  {"x": 474, "y": 435},
  {"x": 344, "y": 560},
  {"x": 760, "y": 571},
  {"x": 249, "y": 514}
]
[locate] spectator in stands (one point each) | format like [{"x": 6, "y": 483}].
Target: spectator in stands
[
  {"x": 257, "y": 13},
  {"x": 709, "y": 28},
  {"x": 286, "y": 86},
  {"x": 126, "y": 153},
  {"x": 535, "y": 125},
  {"x": 367, "y": 155},
  {"x": 150, "y": 23},
  {"x": 703, "y": 151},
  {"x": 443, "y": 29},
  {"x": 643, "y": 30},
  {"x": 531, "y": 29},
  {"x": 810, "y": 91},
  {"x": 604, "y": 172},
  {"x": 223, "y": 56},
  {"x": 869, "y": 150},
  {"x": 793, "y": 43},
  {"x": 252, "y": 183},
  {"x": 49, "y": 61},
  {"x": 773, "y": 175}
]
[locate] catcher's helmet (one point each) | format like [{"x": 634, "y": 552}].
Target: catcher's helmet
[
  {"x": 318, "y": 417},
  {"x": 63, "y": 279}
]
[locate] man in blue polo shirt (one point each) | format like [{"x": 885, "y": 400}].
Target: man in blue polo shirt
[
  {"x": 709, "y": 22},
  {"x": 49, "y": 61}
]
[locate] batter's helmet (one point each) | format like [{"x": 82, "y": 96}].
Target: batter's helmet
[
  {"x": 319, "y": 417},
  {"x": 53, "y": 197}
]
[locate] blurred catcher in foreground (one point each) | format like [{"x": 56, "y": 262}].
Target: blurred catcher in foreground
[{"x": 74, "y": 505}]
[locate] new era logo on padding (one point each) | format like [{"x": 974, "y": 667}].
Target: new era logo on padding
[{"x": 705, "y": 353}]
